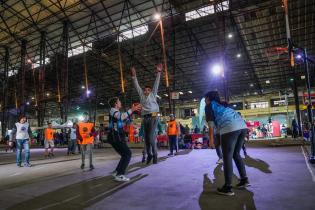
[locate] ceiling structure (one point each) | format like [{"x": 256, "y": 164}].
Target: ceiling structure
[{"x": 242, "y": 34}]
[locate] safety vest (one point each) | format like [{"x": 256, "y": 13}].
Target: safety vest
[
  {"x": 49, "y": 134},
  {"x": 172, "y": 129},
  {"x": 85, "y": 129}
]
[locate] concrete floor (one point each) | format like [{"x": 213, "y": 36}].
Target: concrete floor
[{"x": 280, "y": 179}]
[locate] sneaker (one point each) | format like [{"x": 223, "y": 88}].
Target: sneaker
[
  {"x": 243, "y": 183},
  {"x": 220, "y": 161},
  {"x": 122, "y": 178},
  {"x": 92, "y": 167},
  {"x": 114, "y": 174},
  {"x": 225, "y": 191},
  {"x": 27, "y": 165},
  {"x": 82, "y": 166},
  {"x": 143, "y": 159},
  {"x": 155, "y": 160},
  {"x": 149, "y": 159},
  {"x": 170, "y": 154},
  {"x": 19, "y": 165}
]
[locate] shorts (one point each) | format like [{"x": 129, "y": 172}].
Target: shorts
[{"x": 49, "y": 143}]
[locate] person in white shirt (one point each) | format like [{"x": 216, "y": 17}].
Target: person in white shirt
[{"x": 22, "y": 134}]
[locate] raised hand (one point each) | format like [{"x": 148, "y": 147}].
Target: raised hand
[
  {"x": 133, "y": 71},
  {"x": 159, "y": 67},
  {"x": 136, "y": 107}
]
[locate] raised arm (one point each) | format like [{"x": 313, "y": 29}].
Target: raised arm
[
  {"x": 135, "y": 81},
  {"x": 159, "y": 69}
]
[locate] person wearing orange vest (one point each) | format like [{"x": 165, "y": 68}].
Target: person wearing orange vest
[
  {"x": 49, "y": 140},
  {"x": 173, "y": 132},
  {"x": 85, "y": 135}
]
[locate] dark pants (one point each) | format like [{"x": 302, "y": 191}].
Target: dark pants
[
  {"x": 72, "y": 145},
  {"x": 217, "y": 145},
  {"x": 119, "y": 144},
  {"x": 150, "y": 124},
  {"x": 231, "y": 144},
  {"x": 173, "y": 143}
]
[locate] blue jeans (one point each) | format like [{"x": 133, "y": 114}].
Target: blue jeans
[
  {"x": 173, "y": 143},
  {"x": 20, "y": 144},
  {"x": 231, "y": 144}
]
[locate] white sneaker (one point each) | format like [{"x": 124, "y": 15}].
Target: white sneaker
[
  {"x": 114, "y": 174},
  {"x": 122, "y": 178},
  {"x": 220, "y": 161}
]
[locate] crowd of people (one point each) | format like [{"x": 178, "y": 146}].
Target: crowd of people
[{"x": 226, "y": 133}]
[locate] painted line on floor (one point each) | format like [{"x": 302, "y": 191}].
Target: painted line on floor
[
  {"x": 96, "y": 186},
  {"x": 57, "y": 203},
  {"x": 138, "y": 177},
  {"x": 133, "y": 169},
  {"x": 15, "y": 174},
  {"x": 308, "y": 164}
]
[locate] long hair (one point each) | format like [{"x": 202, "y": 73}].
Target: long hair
[{"x": 214, "y": 96}]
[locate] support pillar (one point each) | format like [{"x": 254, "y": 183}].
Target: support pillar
[
  {"x": 22, "y": 77},
  {"x": 4, "y": 93}
]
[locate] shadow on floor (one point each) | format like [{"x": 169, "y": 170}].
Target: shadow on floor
[
  {"x": 81, "y": 195},
  {"x": 210, "y": 200},
  {"x": 257, "y": 163},
  {"x": 184, "y": 152}
]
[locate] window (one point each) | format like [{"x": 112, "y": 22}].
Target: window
[
  {"x": 137, "y": 31},
  {"x": 259, "y": 105},
  {"x": 12, "y": 73},
  {"x": 223, "y": 6},
  {"x": 207, "y": 10},
  {"x": 37, "y": 63},
  {"x": 201, "y": 12},
  {"x": 79, "y": 49}
]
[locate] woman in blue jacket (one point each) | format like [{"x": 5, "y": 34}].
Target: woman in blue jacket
[{"x": 232, "y": 130}]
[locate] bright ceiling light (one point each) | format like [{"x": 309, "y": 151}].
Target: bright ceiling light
[
  {"x": 255, "y": 93},
  {"x": 217, "y": 69},
  {"x": 181, "y": 93},
  {"x": 303, "y": 77},
  {"x": 298, "y": 56},
  {"x": 230, "y": 35},
  {"x": 239, "y": 55},
  {"x": 157, "y": 16},
  {"x": 82, "y": 87},
  {"x": 88, "y": 92},
  {"x": 190, "y": 92},
  {"x": 166, "y": 95},
  {"x": 267, "y": 81},
  {"x": 252, "y": 85},
  {"x": 101, "y": 103},
  {"x": 47, "y": 94}
]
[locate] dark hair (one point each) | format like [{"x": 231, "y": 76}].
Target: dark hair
[
  {"x": 112, "y": 101},
  {"x": 213, "y": 96},
  {"x": 147, "y": 86},
  {"x": 21, "y": 117},
  {"x": 85, "y": 113}
]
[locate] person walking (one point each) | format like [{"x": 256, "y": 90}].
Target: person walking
[
  {"x": 72, "y": 144},
  {"x": 232, "y": 129},
  {"x": 173, "y": 132},
  {"x": 85, "y": 132},
  {"x": 150, "y": 110},
  {"x": 21, "y": 134},
  {"x": 49, "y": 140},
  {"x": 116, "y": 137}
]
